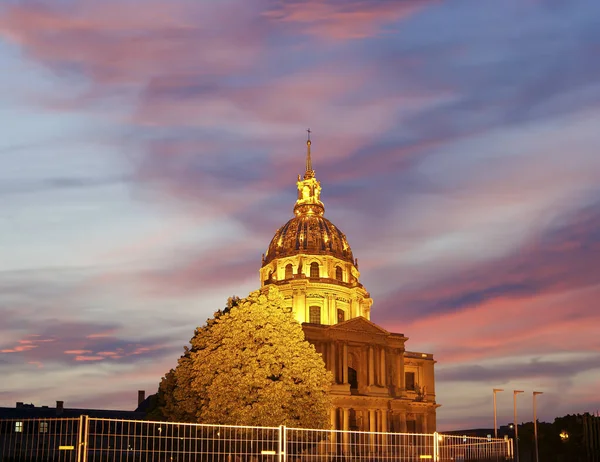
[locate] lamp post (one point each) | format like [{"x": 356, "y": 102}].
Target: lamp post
[
  {"x": 496, "y": 390},
  {"x": 515, "y": 393},
  {"x": 535, "y": 393}
]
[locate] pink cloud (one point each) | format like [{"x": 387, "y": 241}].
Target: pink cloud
[
  {"x": 108, "y": 333},
  {"x": 120, "y": 42},
  {"x": 351, "y": 19},
  {"x": 89, "y": 358},
  {"x": 77, "y": 352},
  {"x": 489, "y": 330},
  {"x": 27, "y": 344}
]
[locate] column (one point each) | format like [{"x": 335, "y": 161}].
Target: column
[
  {"x": 333, "y": 366},
  {"x": 371, "y": 366},
  {"x": 302, "y": 308},
  {"x": 382, "y": 374},
  {"x": 295, "y": 305},
  {"x": 384, "y": 429},
  {"x": 345, "y": 362},
  {"x": 372, "y": 428},
  {"x": 346, "y": 428},
  {"x": 397, "y": 375},
  {"x": 401, "y": 370},
  {"x": 332, "y": 416},
  {"x": 326, "y": 314},
  {"x": 402, "y": 421},
  {"x": 423, "y": 423},
  {"x": 332, "y": 313}
]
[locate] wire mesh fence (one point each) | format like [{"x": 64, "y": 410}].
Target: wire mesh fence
[
  {"x": 40, "y": 440},
  {"x": 131, "y": 440},
  {"x": 112, "y": 440},
  {"x": 305, "y": 445},
  {"x": 459, "y": 448}
]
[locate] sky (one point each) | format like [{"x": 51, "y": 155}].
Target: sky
[{"x": 149, "y": 151}]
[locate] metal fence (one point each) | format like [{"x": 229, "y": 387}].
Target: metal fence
[{"x": 89, "y": 439}]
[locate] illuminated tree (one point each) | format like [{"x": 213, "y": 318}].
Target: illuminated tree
[
  {"x": 250, "y": 365},
  {"x": 175, "y": 400}
]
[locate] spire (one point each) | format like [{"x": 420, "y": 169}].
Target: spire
[
  {"x": 310, "y": 173},
  {"x": 309, "y": 189}
]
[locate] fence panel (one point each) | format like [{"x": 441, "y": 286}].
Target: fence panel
[
  {"x": 111, "y": 440},
  {"x": 28, "y": 440},
  {"x": 107, "y": 440},
  {"x": 467, "y": 448},
  {"x": 306, "y": 445}
]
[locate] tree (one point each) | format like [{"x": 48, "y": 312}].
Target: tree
[
  {"x": 175, "y": 400},
  {"x": 250, "y": 365}
]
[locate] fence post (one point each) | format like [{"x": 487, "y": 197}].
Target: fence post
[
  {"x": 82, "y": 447},
  {"x": 281, "y": 453},
  {"x": 436, "y": 442}
]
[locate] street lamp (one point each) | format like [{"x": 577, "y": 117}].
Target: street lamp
[
  {"x": 496, "y": 390},
  {"x": 535, "y": 393},
  {"x": 515, "y": 393}
]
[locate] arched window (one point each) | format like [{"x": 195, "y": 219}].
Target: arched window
[
  {"x": 315, "y": 315},
  {"x": 339, "y": 275},
  {"x": 341, "y": 315},
  {"x": 314, "y": 270},
  {"x": 289, "y": 271}
]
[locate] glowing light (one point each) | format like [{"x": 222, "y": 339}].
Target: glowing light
[{"x": 564, "y": 435}]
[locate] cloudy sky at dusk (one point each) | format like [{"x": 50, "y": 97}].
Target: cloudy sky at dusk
[{"x": 149, "y": 151}]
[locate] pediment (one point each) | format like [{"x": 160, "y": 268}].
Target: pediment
[{"x": 360, "y": 324}]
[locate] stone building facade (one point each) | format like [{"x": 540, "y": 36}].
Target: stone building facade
[{"x": 379, "y": 386}]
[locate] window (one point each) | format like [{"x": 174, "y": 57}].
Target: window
[
  {"x": 339, "y": 274},
  {"x": 314, "y": 270},
  {"x": 409, "y": 380},
  {"x": 315, "y": 315},
  {"x": 289, "y": 271},
  {"x": 269, "y": 277},
  {"x": 352, "y": 378},
  {"x": 43, "y": 427},
  {"x": 341, "y": 315},
  {"x": 18, "y": 427}
]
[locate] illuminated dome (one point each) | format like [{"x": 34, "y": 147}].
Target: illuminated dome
[{"x": 309, "y": 234}]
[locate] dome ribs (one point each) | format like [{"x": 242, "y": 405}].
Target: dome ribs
[{"x": 313, "y": 235}]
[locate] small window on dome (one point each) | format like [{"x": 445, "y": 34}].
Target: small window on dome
[
  {"x": 314, "y": 270},
  {"x": 289, "y": 271},
  {"x": 339, "y": 274},
  {"x": 341, "y": 315}
]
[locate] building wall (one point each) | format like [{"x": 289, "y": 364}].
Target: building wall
[{"x": 378, "y": 400}]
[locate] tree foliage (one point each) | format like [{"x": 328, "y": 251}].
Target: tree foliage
[{"x": 249, "y": 365}]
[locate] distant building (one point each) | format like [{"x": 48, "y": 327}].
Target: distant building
[
  {"x": 29, "y": 411},
  {"x": 379, "y": 386}
]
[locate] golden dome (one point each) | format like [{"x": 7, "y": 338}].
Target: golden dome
[
  {"x": 310, "y": 235},
  {"x": 308, "y": 232}
]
